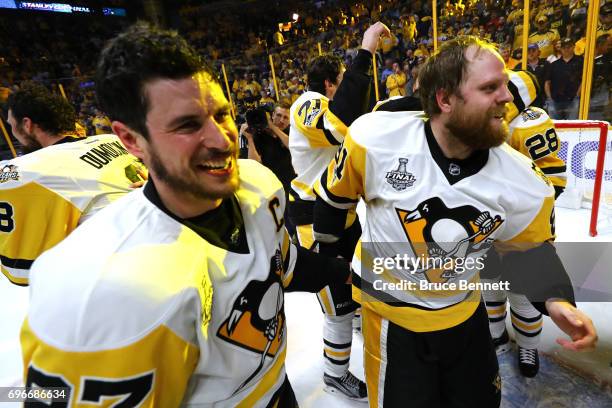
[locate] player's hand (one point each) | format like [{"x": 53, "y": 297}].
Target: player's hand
[
  {"x": 372, "y": 35},
  {"x": 574, "y": 323}
]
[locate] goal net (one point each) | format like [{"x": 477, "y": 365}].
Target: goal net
[{"x": 587, "y": 152}]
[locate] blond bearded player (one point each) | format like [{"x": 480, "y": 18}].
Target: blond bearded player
[{"x": 444, "y": 184}]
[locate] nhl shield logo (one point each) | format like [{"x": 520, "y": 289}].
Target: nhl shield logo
[
  {"x": 454, "y": 169},
  {"x": 400, "y": 179}
]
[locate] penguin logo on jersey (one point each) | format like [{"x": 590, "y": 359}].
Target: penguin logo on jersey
[
  {"x": 437, "y": 231},
  {"x": 400, "y": 179},
  {"x": 257, "y": 320},
  {"x": 8, "y": 173},
  {"x": 530, "y": 114}
]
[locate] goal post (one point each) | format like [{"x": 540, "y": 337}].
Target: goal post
[{"x": 587, "y": 152}]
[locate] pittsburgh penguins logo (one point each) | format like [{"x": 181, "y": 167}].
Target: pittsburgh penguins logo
[
  {"x": 436, "y": 231},
  {"x": 8, "y": 173},
  {"x": 257, "y": 319},
  {"x": 530, "y": 114}
]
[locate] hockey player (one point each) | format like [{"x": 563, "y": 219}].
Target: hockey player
[
  {"x": 319, "y": 118},
  {"x": 60, "y": 183},
  {"x": 174, "y": 294},
  {"x": 444, "y": 186},
  {"x": 532, "y": 133}
]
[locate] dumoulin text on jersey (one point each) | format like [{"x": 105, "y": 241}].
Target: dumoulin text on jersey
[{"x": 103, "y": 154}]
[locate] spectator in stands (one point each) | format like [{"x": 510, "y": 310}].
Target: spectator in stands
[
  {"x": 605, "y": 18},
  {"x": 556, "y": 52},
  {"x": 600, "y": 108},
  {"x": 269, "y": 144},
  {"x": 544, "y": 36},
  {"x": 505, "y": 51},
  {"x": 535, "y": 64},
  {"x": 560, "y": 20},
  {"x": 412, "y": 84},
  {"x": 387, "y": 70},
  {"x": 387, "y": 46},
  {"x": 411, "y": 59},
  {"x": 562, "y": 85},
  {"x": 101, "y": 123},
  {"x": 396, "y": 82}
]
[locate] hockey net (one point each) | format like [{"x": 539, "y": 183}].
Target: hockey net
[{"x": 586, "y": 149}]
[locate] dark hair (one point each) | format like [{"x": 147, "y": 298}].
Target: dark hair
[
  {"x": 135, "y": 57},
  {"x": 283, "y": 105},
  {"x": 445, "y": 70},
  {"x": 326, "y": 66},
  {"x": 50, "y": 112}
]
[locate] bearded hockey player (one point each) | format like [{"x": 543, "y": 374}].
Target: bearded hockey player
[{"x": 443, "y": 185}]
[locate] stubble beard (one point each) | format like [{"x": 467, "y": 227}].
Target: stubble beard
[
  {"x": 192, "y": 185},
  {"x": 30, "y": 144}
]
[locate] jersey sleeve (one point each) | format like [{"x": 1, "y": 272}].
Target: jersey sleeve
[
  {"x": 539, "y": 230},
  {"x": 33, "y": 219},
  {"x": 320, "y": 126},
  {"x": 340, "y": 187},
  {"x": 533, "y": 134}
]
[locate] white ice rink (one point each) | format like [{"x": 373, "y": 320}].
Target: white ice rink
[{"x": 304, "y": 357}]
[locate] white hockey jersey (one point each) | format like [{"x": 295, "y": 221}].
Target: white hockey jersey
[
  {"x": 146, "y": 307},
  {"x": 314, "y": 137},
  {"x": 44, "y": 195},
  {"x": 423, "y": 205}
]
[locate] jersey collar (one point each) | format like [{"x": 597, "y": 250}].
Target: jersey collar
[
  {"x": 222, "y": 227},
  {"x": 455, "y": 170}
]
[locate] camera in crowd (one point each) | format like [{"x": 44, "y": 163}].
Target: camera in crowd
[{"x": 257, "y": 119}]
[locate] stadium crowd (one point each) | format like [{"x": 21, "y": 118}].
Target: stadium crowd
[
  {"x": 169, "y": 113},
  {"x": 62, "y": 48}
]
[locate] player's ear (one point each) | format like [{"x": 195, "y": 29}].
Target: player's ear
[
  {"x": 329, "y": 88},
  {"x": 443, "y": 98},
  {"x": 27, "y": 124},
  {"x": 132, "y": 140}
]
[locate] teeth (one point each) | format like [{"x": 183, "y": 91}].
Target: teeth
[{"x": 216, "y": 165}]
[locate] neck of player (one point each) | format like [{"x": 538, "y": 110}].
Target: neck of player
[
  {"x": 182, "y": 204},
  {"x": 451, "y": 147}
]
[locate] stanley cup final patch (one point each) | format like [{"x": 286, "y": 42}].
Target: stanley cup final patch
[{"x": 400, "y": 179}]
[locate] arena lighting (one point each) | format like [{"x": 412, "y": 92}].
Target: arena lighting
[
  {"x": 8, "y": 4},
  {"x": 295, "y": 17}
]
